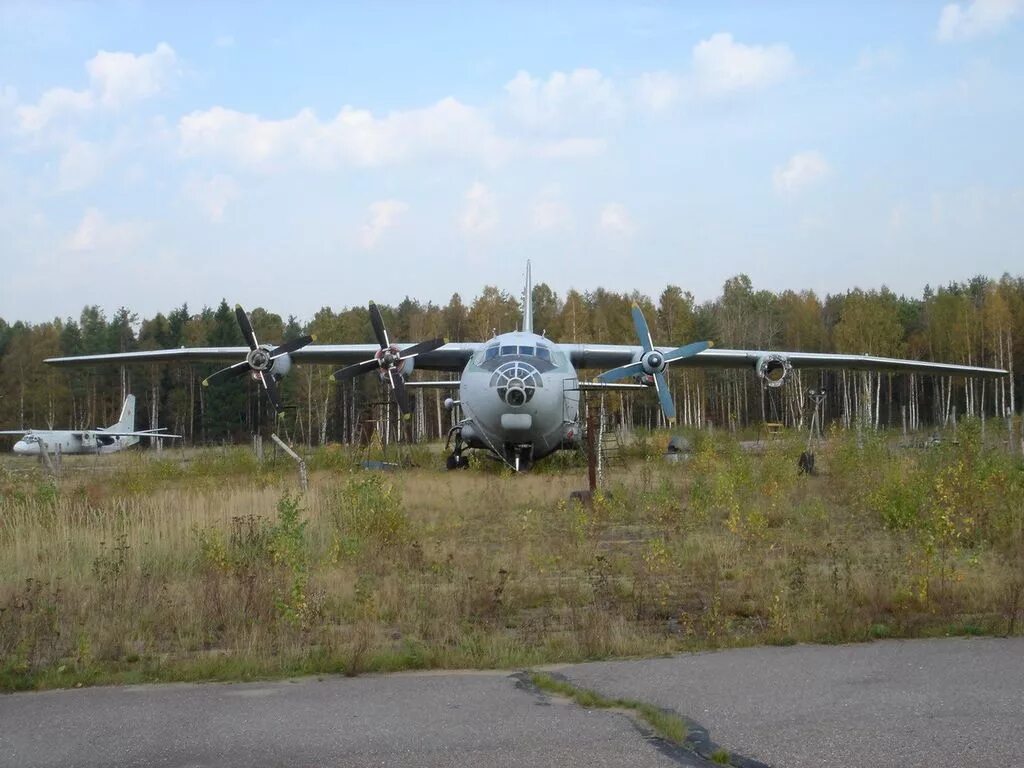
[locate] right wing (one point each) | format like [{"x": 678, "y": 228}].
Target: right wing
[{"x": 614, "y": 355}]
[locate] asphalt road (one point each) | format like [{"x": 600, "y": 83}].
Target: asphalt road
[
  {"x": 953, "y": 702},
  {"x": 944, "y": 702},
  {"x": 483, "y": 720}
]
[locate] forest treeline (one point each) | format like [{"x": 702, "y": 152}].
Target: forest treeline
[{"x": 978, "y": 322}]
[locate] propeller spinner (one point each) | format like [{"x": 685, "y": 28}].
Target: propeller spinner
[
  {"x": 653, "y": 363},
  {"x": 388, "y": 360},
  {"x": 259, "y": 361}
]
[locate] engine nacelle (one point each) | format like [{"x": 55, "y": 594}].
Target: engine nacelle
[
  {"x": 282, "y": 365},
  {"x": 773, "y": 369}
]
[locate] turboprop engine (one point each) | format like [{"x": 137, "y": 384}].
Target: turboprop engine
[
  {"x": 264, "y": 362},
  {"x": 773, "y": 369}
]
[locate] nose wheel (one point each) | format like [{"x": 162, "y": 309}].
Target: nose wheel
[{"x": 457, "y": 461}]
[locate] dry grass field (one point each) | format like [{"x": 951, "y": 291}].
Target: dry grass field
[{"x": 207, "y": 565}]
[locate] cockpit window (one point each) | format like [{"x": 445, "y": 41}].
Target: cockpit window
[
  {"x": 526, "y": 351},
  {"x": 508, "y": 351},
  {"x": 491, "y": 353},
  {"x": 544, "y": 353}
]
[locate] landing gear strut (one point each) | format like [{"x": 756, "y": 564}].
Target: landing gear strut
[
  {"x": 456, "y": 460},
  {"x": 522, "y": 457}
]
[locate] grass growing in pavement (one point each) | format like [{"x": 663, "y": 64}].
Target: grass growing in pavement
[
  {"x": 195, "y": 565},
  {"x": 667, "y": 725}
]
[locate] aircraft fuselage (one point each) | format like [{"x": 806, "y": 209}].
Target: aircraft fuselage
[
  {"x": 68, "y": 442},
  {"x": 519, "y": 398}
]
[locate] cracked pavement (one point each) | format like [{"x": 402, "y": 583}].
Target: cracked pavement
[{"x": 923, "y": 702}]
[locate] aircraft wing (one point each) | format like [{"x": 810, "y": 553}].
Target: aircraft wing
[
  {"x": 15, "y": 431},
  {"x": 105, "y": 433},
  {"x": 450, "y": 357},
  {"x": 607, "y": 356}
]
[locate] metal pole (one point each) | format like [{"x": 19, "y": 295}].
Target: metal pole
[
  {"x": 303, "y": 476},
  {"x": 591, "y": 450}
]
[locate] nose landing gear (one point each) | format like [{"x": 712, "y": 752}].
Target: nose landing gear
[
  {"x": 522, "y": 456},
  {"x": 456, "y": 460}
]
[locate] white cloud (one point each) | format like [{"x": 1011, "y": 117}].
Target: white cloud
[
  {"x": 118, "y": 77},
  {"x": 80, "y": 164},
  {"x": 976, "y": 18},
  {"x": 872, "y": 58},
  {"x": 561, "y": 99},
  {"x": 54, "y": 103},
  {"x": 550, "y": 213},
  {"x": 800, "y": 171},
  {"x": 95, "y": 233},
  {"x": 384, "y": 215},
  {"x": 565, "y": 149},
  {"x": 657, "y": 90},
  {"x": 722, "y": 66},
  {"x": 479, "y": 213},
  {"x": 115, "y": 79},
  {"x": 615, "y": 219},
  {"x": 212, "y": 195},
  {"x": 354, "y": 137}
]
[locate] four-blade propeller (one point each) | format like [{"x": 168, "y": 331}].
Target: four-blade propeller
[
  {"x": 389, "y": 360},
  {"x": 653, "y": 363},
  {"x": 259, "y": 361}
]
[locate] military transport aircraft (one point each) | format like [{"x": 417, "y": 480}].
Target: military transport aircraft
[
  {"x": 518, "y": 392},
  {"x": 100, "y": 440}
]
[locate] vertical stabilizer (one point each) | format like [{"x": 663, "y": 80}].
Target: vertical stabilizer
[
  {"x": 127, "y": 421},
  {"x": 528, "y": 302}
]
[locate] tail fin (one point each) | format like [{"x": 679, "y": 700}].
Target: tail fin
[
  {"x": 528, "y": 302},
  {"x": 127, "y": 421}
]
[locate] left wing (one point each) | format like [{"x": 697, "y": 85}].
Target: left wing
[
  {"x": 605, "y": 356},
  {"x": 450, "y": 357}
]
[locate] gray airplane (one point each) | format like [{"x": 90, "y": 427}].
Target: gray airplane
[
  {"x": 100, "y": 440},
  {"x": 518, "y": 392}
]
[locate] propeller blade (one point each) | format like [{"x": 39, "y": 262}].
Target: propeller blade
[
  {"x": 642, "y": 331},
  {"x": 291, "y": 346},
  {"x": 665, "y": 397},
  {"x": 622, "y": 372},
  {"x": 246, "y": 326},
  {"x": 423, "y": 346},
  {"x": 272, "y": 392},
  {"x": 401, "y": 395},
  {"x": 231, "y": 372},
  {"x": 351, "y": 371},
  {"x": 687, "y": 351},
  {"x": 378, "y": 327}
]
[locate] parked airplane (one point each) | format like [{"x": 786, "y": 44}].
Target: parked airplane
[
  {"x": 100, "y": 440},
  {"x": 518, "y": 392}
]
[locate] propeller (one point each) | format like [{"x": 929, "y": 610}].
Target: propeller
[
  {"x": 260, "y": 360},
  {"x": 388, "y": 360},
  {"x": 653, "y": 363}
]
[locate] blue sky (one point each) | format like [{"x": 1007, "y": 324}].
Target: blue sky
[{"x": 301, "y": 155}]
